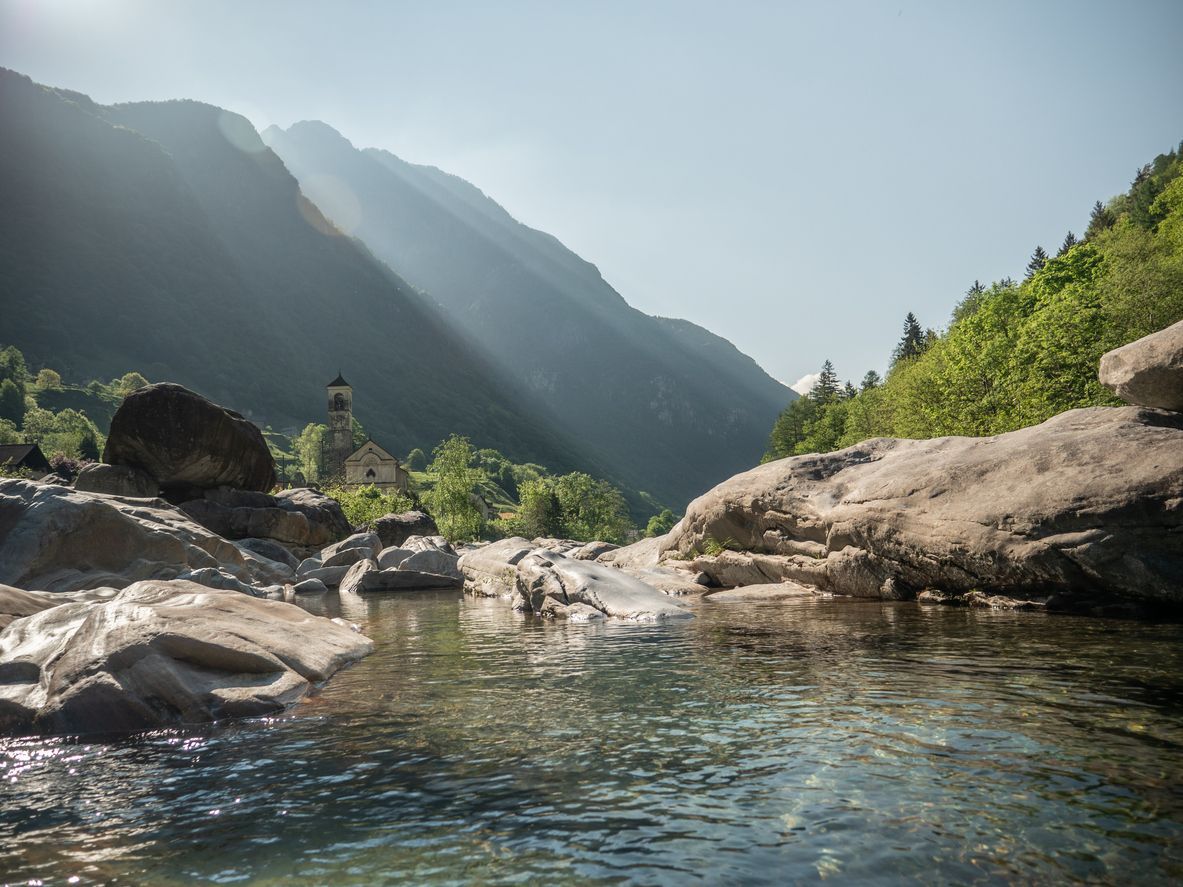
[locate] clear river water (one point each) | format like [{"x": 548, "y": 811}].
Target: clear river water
[{"x": 772, "y": 742}]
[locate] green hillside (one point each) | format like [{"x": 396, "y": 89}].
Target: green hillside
[{"x": 1015, "y": 354}]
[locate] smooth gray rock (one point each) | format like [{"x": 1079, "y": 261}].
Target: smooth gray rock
[
  {"x": 772, "y": 592},
  {"x": 1087, "y": 502},
  {"x": 298, "y": 517},
  {"x": 160, "y": 654},
  {"x": 390, "y": 558},
  {"x": 433, "y": 561},
  {"x": 184, "y": 441},
  {"x": 211, "y": 577},
  {"x": 368, "y": 543},
  {"x": 395, "y": 529},
  {"x": 58, "y": 539},
  {"x": 330, "y": 576},
  {"x": 1148, "y": 372},
  {"x": 116, "y": 480},
  {"x": 310, "y": 586},
  {"x": 366, "y": 576},
  {"x": 271, "y": 550},
  {"x": 642, "y": 554},
  {"x": 428, "y": 543},
  {"x": 346, "y": 557},
  {"x": 591, "y": 551},
  {"x": 308, "y": 565},
  {"x": 351, "y": 582},
  {"x": 16, "y": 603},
  {"x": 491, "y": 571}
]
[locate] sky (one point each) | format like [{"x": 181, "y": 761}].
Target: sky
[{"x": 795, "y": 177}]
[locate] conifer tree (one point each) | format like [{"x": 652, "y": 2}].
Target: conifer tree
[
  {"x": 1038, "y": 260},
  {"x": 1100, "y": 220},
  {"x": 976, "y": 290},
  {"x": 826, "y": 389},
  {"x": 871, "y": 380},
  {"x": 912, "y": 343},
  {"x": 848, "y": 390},
  {"x": 1069, "y": 242}
]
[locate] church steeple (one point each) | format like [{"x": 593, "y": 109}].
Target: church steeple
[{"x": 340, "y": 438}]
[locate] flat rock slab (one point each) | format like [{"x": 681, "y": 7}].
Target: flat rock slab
[
  {"x": 1148, "y": 372},
  {"x": 160, "y": 654},
  {"x": 771, "y": 592}
]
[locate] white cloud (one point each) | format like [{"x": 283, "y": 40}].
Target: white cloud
[{"x": 805, "y": 384}]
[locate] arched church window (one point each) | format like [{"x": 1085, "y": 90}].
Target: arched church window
[
  {"x": 371, "y": 473},
  {"x": 338, "y": 401}
]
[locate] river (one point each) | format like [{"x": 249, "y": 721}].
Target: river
[{"x": 761, "y": 742}]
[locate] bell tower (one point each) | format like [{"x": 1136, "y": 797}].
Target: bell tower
[{"x": 339, "y": 445}]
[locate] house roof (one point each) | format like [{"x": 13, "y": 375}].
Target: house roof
[
  {"x": 370, "y": 447},
  {"x": 28, "y": 455},
  {"x": 339, "y": 382}
]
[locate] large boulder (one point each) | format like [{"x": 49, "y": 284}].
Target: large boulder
[
  {"x": 116, "y": 480},
  {"x": 185, "y": 441},
  {"x": 57, "y": 539},
  {"x": 1148, "y": 372},
  {"x": 395, "y": 529},
  {"x": 300, "y": 517},
  {"x": 15, "y": 603},
  {"x": 1088, "y": 503},
  {"x": 160, "y": 654}
]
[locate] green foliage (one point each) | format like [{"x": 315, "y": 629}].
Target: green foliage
[
  {"x": 660, "y": 524},
  {"x": 592, "y": 509},
  {"x": 358, "y": 433},
  {"x": 12, "y": 402},
  {"x": 306, "y": 446},
  {"x": 416, "y": 460},
  {"x": 48, "y": 380},
  {"x": 539, "y": 512},
  {"x": 911, "y": 343},
  {"x": 1015, "y": 355},
  {"x": 364, "y": 504},
  {"x": 127, "y": 383},
  {"x": 9, "y": 433},
  {"x": 452, "y": 498},
  {"x": 68, "y": 433}
]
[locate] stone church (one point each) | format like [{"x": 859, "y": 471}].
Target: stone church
[{"x": 367, "y": 464}]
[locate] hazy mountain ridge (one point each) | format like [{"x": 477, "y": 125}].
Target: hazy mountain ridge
[
  {"x": 144, "y": 236},
  {"x": 672, "y": 409}
]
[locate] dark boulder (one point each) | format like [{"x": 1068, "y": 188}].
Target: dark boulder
[
  {"x": 187, "y": 442},
  {"x": 297, "y": 517},
  {"x": 395, "y": 529}
]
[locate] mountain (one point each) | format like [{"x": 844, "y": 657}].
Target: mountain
[
  {"x": 167, "y": 238},
  {"x": 672, "y": 407}
]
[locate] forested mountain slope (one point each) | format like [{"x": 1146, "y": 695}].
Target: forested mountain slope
[
  {"x": 1016, "y": 354},
  {"x": 672, "y": 407},
  {"x": 167, "y": 238}
]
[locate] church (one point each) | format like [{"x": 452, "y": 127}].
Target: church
[{"x": 367, "y": 464}]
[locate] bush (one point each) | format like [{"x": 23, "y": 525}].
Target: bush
[{"x": 364, "y": 504}]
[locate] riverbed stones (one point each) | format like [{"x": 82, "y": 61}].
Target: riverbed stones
[
  {"x": 368, "y": 543},
  {"x": 269, "y": 549},
  {"x": 310, "y": 586},
  {"x": 116, "y": 480},
  {"x": 299, "y": 517},
  {"x": 1089, "y": 502},
  {"x": 185, "y": 441},
  {"x": 16, "y": 603},
  {"x": 525, "y": 576},
  {"x": 160, "y": 654},
  {"x": 1148, "y": 372}
]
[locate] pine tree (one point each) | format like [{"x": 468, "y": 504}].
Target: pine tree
[
  {"x": 912, "y": 343},
  {"x": 826, "y": 388},
  {"x": 848, "y": 390},
  {"x": 1100, "y": 220},
  {"x": 1038, "y": 260},
  {"x": 871, "y": 380},
  {"x": 976, "y": 290},
  {"x": 1069, "y": 242}
]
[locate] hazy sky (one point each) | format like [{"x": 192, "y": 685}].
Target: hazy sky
[{"x": 796, "y": 177}]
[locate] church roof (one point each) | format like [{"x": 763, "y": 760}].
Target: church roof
[
  {"x": 370, "y": 447},
  {"x": 338, "y": 382}
]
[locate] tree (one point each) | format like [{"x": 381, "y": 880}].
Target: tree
[
  {"x": 69, "y": 432},
  {"x": 1069, "y": 242},
  {"x": 870, "y": 380},
  {"x": 452, "y": 497},
  {"x": 826, "y": 389},
  {"x": 12, "y": 403},
  {"x": 539, "y": 513},
  {"x": 129, "y": 382},
  {"x": 49, "y": 380},
  {"x": 307, "y": 448},
  {"x": 357, "y": 432},
  {"x": 592, "y": 509},
  {"x": 911, "y": 343},
  {"x": 848, "y": 390},
  {"x": 12, "y": 367},
  {"x": 416, "y": 460},
  {"x": 1100, "y": 220},
  {"x": 1036, "y": 263},
  {"x": 660, "y": 524}
]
